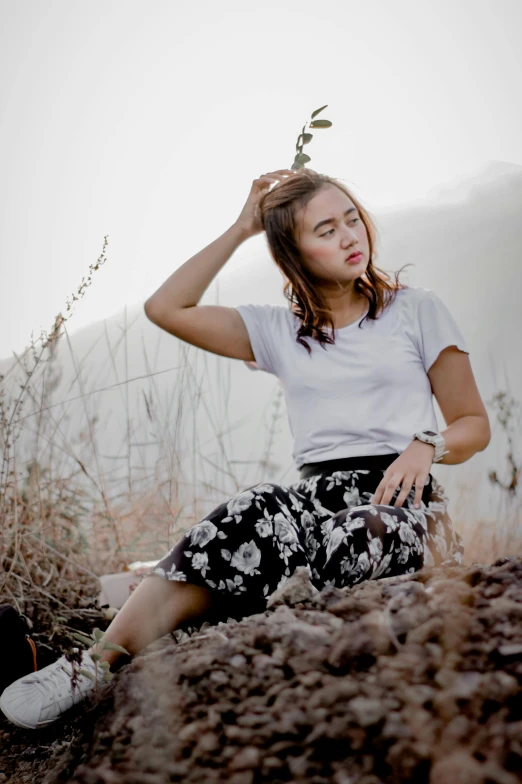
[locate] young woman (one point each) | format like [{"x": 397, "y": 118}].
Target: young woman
[{"x": 359, "y": 359}]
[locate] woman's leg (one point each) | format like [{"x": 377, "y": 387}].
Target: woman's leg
[
  {"x": 245, "y": 549},
  {"x": 372, "y": 541},
  {"x": 363, "y": 541},
  {"x": 155, "y": 608}
]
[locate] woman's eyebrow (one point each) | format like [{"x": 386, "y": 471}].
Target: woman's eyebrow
[{"x": 332, "y": 220}]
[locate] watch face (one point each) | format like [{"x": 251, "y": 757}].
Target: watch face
[{"x": 430, "y": 433}]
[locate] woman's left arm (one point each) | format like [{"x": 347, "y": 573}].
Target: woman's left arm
[
  {"x": 455, "y": 389},
  {"x": 453, "y": 384}
]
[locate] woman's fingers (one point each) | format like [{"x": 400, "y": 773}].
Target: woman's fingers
[
  {"x": 278, "y": 171},
  {"x": 249, "y": 217},
  {"x": 278, "y": 174},
  {"x": 407, "y": 484}
]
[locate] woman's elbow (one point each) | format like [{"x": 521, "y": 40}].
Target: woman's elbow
[
  {"x": 151, "y": 311},
  {"x": 486, "y": 433}
]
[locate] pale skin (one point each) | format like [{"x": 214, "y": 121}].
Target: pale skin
[{"x": 158, "y": 606}]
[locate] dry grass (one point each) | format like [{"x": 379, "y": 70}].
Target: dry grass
[
  {"x": 64, "y": 518},
  {"x": 485, "y": 540}
]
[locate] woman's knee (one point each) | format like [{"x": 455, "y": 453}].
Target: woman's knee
[
  {"x": 251, "y": 499},
  {"x": 379, "y": 528}
]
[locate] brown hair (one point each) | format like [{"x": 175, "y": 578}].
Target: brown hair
[{"x": 277, "y": 209}]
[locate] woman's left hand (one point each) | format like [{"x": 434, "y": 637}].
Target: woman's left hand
[{"x": 412, "y": 467}]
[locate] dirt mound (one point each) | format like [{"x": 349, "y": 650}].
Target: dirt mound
[{"x": 404, "y": 679}]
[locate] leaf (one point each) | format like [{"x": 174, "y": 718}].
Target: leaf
[
  {"x": 111, "y": 646},
  {"x": 82, "y": 638},
  {"x": 87, "y": 673},
  {"x": 105, "y": 665},
  {"x": 320, "y": 124},
  {"x": 302, "y": 158},
  {"x": 60, "y": 619},
  {"x": 95, "y": 657},
  {"x": 314, "y": 114},
  {"x": 296, "y": 166},
  {"x": 97, "y": 634},
  {"x": 107, "y": 677},
  {"x": 303, "y": 138}
]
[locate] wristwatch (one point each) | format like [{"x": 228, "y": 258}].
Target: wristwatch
[{"x": 436, "y": 440}]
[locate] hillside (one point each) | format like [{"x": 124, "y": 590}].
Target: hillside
[{"x": 404, "y": 679}]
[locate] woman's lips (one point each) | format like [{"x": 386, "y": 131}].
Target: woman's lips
[{"x": 354, "y": 258}]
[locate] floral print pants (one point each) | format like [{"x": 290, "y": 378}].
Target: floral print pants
[{"x": 250, "y": 545}]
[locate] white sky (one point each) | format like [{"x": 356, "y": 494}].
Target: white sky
[{"x": 147, "y": 121}]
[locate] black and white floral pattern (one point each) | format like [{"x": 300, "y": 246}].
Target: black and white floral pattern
[{"x": 252, "y": 543}]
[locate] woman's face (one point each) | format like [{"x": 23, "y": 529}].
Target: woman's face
[{"x": 330, "y": 230}]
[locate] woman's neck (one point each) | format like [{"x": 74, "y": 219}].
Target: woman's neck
[{"x": 349, "y": 315}]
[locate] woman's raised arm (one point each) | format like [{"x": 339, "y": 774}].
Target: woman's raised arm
[{"x": 174, "y": 306}]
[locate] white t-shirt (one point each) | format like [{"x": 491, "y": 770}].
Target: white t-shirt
[{"x": 368, "y": 393}]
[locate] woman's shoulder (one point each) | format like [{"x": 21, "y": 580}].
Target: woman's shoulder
[
  {"x": 265, "y": 308},
  {"x": 413, "y": 293},
  {"x": 266, "y": 314},
  {"x": 406, "y": 306},
  {"x": 411, "y": 296}
]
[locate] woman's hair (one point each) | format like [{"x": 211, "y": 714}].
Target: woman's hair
[{"x": 278, "y": 212}]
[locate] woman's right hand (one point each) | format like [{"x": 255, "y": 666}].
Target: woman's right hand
[{"x": 249, "y": 220}]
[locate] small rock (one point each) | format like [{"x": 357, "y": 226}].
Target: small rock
[
  {"x": 303, "y": 635},
  {"x": 191, "y": 732},
  {"x": 395, "y": 727},
  {"x": 405, "y": 594},
  {"x": 419, "y": 694},
  {"x": 298, "y": 588},
  {"x": 452, "y": 590},
  {"x": 457, "y": 768},
  {"x": 238, "y": 661},
  {"x": 208, "y": 742},
  {"x": 427, "y": 631},
  {"x": 366, "y": 711},
  {"x": 298, "y": 766},
  {"x": 455, "y": 732},
  {"x": 272, "y": 762},
  {"x": 408, "y": 618},
  {"x": 218, "y": 676},
  {"x": 466, "y": 685},
  {"x": 242, "y": 777},
  {"x": 493, "y": 590},
  {"x": 510, "y": 649},
  {"x": 498, "y": 686},
  {"x": 246, "y": 759}
]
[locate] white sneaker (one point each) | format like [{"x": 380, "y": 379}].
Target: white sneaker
[{"x": 39, "y": 698}]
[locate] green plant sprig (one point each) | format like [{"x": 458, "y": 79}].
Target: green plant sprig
[
  {"x": 301, "y": 158},
  {"x": 97, "y": 638}
]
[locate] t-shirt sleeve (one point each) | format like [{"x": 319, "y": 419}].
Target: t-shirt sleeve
[
  {"x": 261, "y": 322},
  {"x": 436, "y": 329}
]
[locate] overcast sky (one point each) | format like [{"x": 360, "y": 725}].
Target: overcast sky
[{"x": 147, "y": 122}]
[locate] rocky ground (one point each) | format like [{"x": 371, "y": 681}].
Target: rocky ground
[{"x": 404, "y": 679}]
